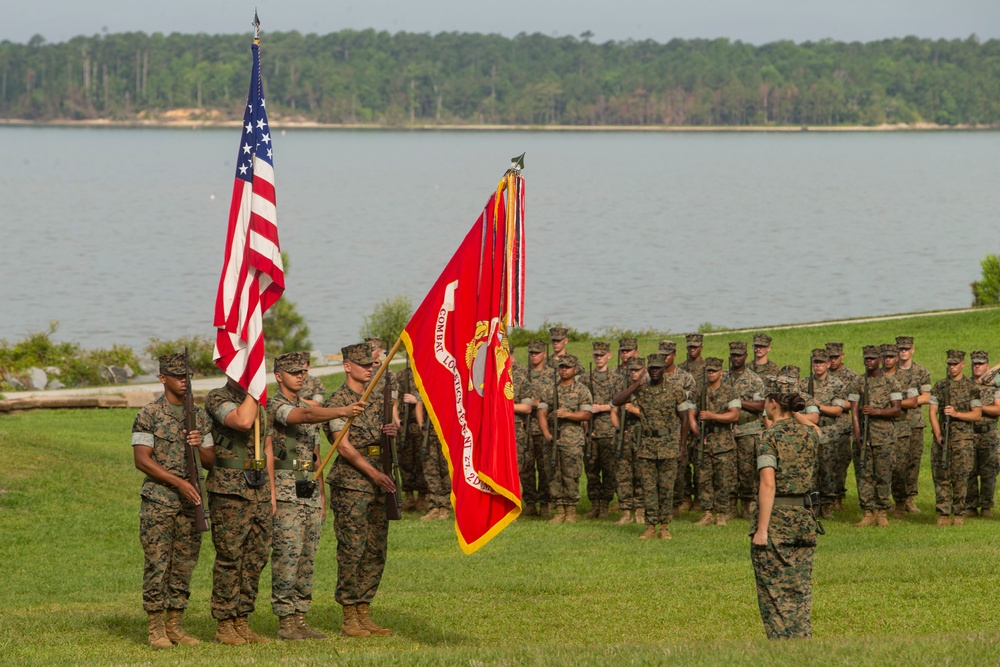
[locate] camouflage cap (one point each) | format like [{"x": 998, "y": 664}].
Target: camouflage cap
[
  {"x": 667, "y": 347},
  {"x": 737, "y": 347},
  {"x": 762, "y": 340},
  {"x": 628, "y": 344},
  {"x": 789, "y": 372},
  {"x": 694, "y": 340},
  {"x": 569, "y": 360},
  {"x": 375, "y": 343},
  {"x": 713, "y": 364},
  {"x": 871, "y": 352},
  {"x": 558, "y": 333},
  {"x": 359, "y": 353},
  {"x": 904, "y": 342},
  {"x": 601, "y": 347},
  {"x": 536, "y": 346},
  {"x": 291, "y": 362},
  {"x": 820, "y": 354},
  {"x": 787, "y": 379},
  {"x": 635, "y": 364},
  {"x": 889, "y": 350},
  {"x": 955, "y": 356},
  {"x": 980, "y": 356},
  {"x": 835, "y": 349},
  {"x": 656, "y": 360},
  {"x": 173, "y": 364}
]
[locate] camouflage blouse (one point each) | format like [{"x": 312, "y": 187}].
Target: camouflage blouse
[
  {"x": 749, "y": 387},
  {"x": 882, "y": 391},
  {"x": 233, "y": 444},
  {"x": 914, "y": 380},
  {"x": 963, "y": 395},
  {"x": 366, "y": 431},
  {"x": 158, "y": 425},
  {"x": 605, "y": 384},
  {"x": 291, "y": 442},
  {"x": 574, "y": 398},
  {"x": 659, "y": 406},
  {"x": 791, "y": 449}
]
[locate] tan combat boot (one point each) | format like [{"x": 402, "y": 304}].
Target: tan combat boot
[
  {"x": 640, "y": 515},
  {"x": 969, "y": 513},
  {"x": 288, "y": 629},
  {"x": 352, "y": 624},
  {"x": 175, "y": 633},
  {"x": 530, "y": 509},
  {"x": 243, "y": 630},
  {"x": 825, "y": 512},
  {"x": 431, "y": 515},
  {"x": 443, "y": 514},
  {"x": 838, "y": 505},
  {"x": 559, "y": 516},
  {"x": 546, "y": 510},
  {"x": 157, "y": 633},
  {"x": 707, "y": 520},
  {"x": 594, "y": 510},
  {"x": 696, "y": 505},
  {"x": 943, "y": 520},
  {"x": 625, "y": 518},
  {"x": 665, "y": 532},
  {"x": 304, "y": 629},
  {"x": 650, "y": 533},
  {"x": 226, "y": 634},
  {"x": 602, "y": 512},
  {"x": 720, "y": 519},
  {"x": 986, "y": 513},
  {"x": 570, "y": 511},
  {"x": 368, "y": 624},
  {"x": 911, "y": 506},
  {"x": 882, "y": 519},
  {"x": 685, "y": 506},
  {"x": 422, "y": 502},
  {"x": 410, "y": 504},
  {"x": 897, "y": 511},
  {"x": 958, "y": 520},
  {"x": 867, "y": 520}
]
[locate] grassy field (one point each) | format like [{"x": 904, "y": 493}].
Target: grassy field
[{"x": 589, "y": 593}]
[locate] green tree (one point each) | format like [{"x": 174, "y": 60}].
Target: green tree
[
  {"x": 986, "y": 291},
  {"x": 388, "y": 319}
]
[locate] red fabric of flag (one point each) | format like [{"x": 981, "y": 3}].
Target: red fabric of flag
[{"x": 457, "y": 343}]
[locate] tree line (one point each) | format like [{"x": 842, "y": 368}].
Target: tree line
[{"x": 397, "y": 79}]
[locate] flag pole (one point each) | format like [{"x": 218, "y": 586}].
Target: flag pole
[{"x": 364, "y": 397}]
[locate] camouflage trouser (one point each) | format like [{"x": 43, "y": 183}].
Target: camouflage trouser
[
  {"x": 411, "y": 465},
  {"x": 784, "y": 589},
  {"x": 983, "y": 479},
  {"x": 841, "y": 444},
  {"x": 531, "y": 466},
  {"x": 170, "y": 545},
  {"x": 875, "y": 481},
  {"x": 827, "y": 475},
  {"x": 658, "y": 477},
  {"x": 241, "y": 533},
  {"x": 900, "y": 461},
  {"x": 564, "y": 483},
  {"x": 716, "y": 480},
  {"x": 436, "y": 474},
  {"x": 628, "y": 484},
  {"x": 362, "y": 530},
  {"x": 296, "y": 533},
  {"x": 950, "y": 485},
  {"x": 747, "y": 478},
  {"x": 601, "y": 470},
  {"x": 684, "y": 487},
  {"x": 914, "y": 452}
]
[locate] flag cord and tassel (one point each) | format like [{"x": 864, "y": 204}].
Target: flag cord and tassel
[{"x": 350, "y": 420}]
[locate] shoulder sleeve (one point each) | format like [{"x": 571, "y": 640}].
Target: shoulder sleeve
[
  {"x": 142, "y": 429},
  {"x": 767, "y": 453},
  {"x": 976, "y": 397},
  {"x": 281, "y": 414},
  {"x": 205, "y": 428}
]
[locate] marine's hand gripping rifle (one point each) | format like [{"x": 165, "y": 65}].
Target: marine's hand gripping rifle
[
  {"x": 702, "y": 404},
  {"x": 191, "y": 424},
  {"x": 555, "y": 423},
  {"x": 390, "y": 462},
  {"x": 865, "y": 425},
  {"x": 946, "y": 436}
]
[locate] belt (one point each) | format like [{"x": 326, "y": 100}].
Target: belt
[
  {"x": 370, "y": 450},
  {"x": 293, "y": 464},
  {"x": 657, "y": 432},
  {"x": 241, "y": 464},
  {"x": 718, "y": 429},
  {"x": 791, "y": 501},
  {"x": 984, "y": 428}
]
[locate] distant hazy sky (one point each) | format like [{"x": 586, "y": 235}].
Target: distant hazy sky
[{"x": 754, "y": 21}]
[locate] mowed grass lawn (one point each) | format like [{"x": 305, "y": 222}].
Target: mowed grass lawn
[{"x": 589, "y": 593}]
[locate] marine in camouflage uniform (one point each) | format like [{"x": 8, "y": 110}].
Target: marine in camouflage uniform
[
  {"x": 983, "y": 479},
  {"x": 761, "y": 364},
  {"x": 628, "y": 483},
  {"x": 564, "y": 408},
  {"x": 746, "y": 432},
  {"x": 830, "y": 397},
  {"x": 694, "y": 365},
  {"x": 890, "y": 361},
  {"x": 242, "y": 515},
  {"x": 313, "y": 390},
  {"x": 912, "y": 376},
  {"x": 560, "y": 337},
  {"x": 663, "y": 411},
  {"x": 680, "y": 377},
  {"x": 410, "y": 449},
  {"x": 531, "y": 457},
  {"x": 782, "y": 548},
  {"x": 358, "y": 488},
  {"x": 436, "y": 471},
  {"x": 842, "y": 434},
  {"x": 956, "y": 400},
  {"x": 600, "y": 465},
  {"x": 377, "y": 348},
  {"x": 874, "y": 478},
  {"x": 717, "y": 412},
  {"x": 170, "y": 541},
  {"x": 298, "y": 522}
]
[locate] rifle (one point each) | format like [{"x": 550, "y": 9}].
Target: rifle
[
  {"x": 811, "y": 378},
  {"x": 191, "y": 424},
  {"x": 588, "y": 435},
  {"x": 406, "y": 406},
  {"x": 393, "y": 503},
  {"x": 555, "y": 423},
  {"x": 945, "y": 402},
  {"x": 702, "y": 402},
  {"x": 865, "y": 423}
]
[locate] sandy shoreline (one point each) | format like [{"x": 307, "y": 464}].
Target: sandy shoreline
[{"x": 282, "y": 124}]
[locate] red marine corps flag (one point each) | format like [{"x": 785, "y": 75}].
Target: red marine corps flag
[
  {"x": 253, "y": 277},
  {"x": 460, "y": 356}
]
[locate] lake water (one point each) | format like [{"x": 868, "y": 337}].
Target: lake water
[{"x": 119, "y": 233}]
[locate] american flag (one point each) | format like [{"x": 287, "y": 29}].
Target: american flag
[{"x": 253, "y": 277}]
